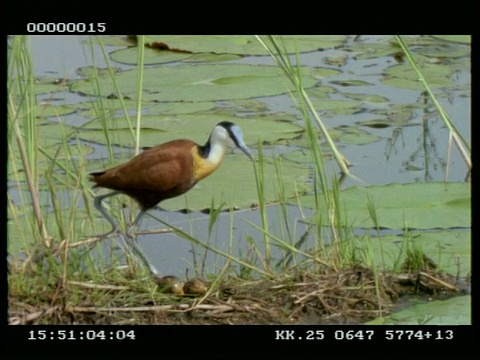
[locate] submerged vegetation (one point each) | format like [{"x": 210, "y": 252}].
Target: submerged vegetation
[{"x": 342, "y": 268}]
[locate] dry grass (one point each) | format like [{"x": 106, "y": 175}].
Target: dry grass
[{"x": 332, "y": 297}]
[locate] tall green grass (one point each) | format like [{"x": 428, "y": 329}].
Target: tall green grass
[{"x": 51, "y": 218}]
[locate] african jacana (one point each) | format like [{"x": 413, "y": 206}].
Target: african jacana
[{"x": 167, "y": 170}]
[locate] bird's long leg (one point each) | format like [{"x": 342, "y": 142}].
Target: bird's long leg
[
  {"x": 128, "y": 241},
  {"x": 135, "y": 249},
  {"x": 97, "y": 202},
  {"x": 136, "y": 222}
]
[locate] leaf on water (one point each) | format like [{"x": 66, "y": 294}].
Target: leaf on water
[
  {"x": 416, "y": 205},
  {"x": 206, "y": 82},
  {"x": 234, "y": 184},
  {"x": 151, "y": 56},
  {"x": 158, "y": 129},
  {"x": 352, "y": 135},
  {"x": 454, "y": 311},
  {"x": 321, "y": 105},
  {"x": 245, "y": 45},
  {"x": 449, "y": 249},
  {"x": 372, "y": 98},
  {"x": 48, "y": 85},
  {"x": 45, "y": 110},
  {"x": 210, "y": 58},
  {"x": 304, "y": 156},
  {"x": 436, "y": 75},
  {"x": 351, "y": 82},
  {"x": 462, "y": 39}
]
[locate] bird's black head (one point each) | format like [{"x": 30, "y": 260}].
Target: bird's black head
[{"x": 234, "y": 133}]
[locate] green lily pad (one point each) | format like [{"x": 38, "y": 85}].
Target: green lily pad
[
  {"x": 416, "y": 205},
  {"x": 340, "y": 60},
  {"x": 454, "y": 311},
  {"x": 332, "y": 108},
  {"x": 48, "y": 85},
  {"x": 304, "y": 156},
  {"x": 462, "y": 39},
  {"x": 321, "y": 92},
  {"x": 373, "y": 49},
  {"x": 384, "y": 123},
  {"x": 209, "y": 58},
  {"x": 159, "y": 129},
  {"x": 244, "y": 45},
  {"x": 372, "y": 98},
  {"x": 203, "y": 82},
  {"x": 114, "y": 110},
  {"x": 403, "y": 76},
  {"x": 396, "y": 114},
  {"x": 340, "y": 135},
  {"x": 234, "y": 184},
  {"x": 352, "y": 135},
  {"x": 449, "y": 249},
  {"x": 151, "y": 56},
  {"x": 351, "y": 82},
  {"x": 45, "y": 110},
  {"x": 114, "y": 40},
  {"x": 445, "y": 51},
  {"x": 322, "y": 105}
]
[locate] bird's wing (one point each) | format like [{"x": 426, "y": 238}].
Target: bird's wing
[{"x": 157, "y": 169}]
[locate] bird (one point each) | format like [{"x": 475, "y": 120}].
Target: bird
[{"x": 166, "y": 171}]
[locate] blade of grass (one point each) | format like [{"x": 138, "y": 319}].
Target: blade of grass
[{"x": 140, "y": 61}]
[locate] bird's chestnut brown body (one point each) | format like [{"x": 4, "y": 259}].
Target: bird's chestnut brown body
[{"x": 159, "y": 173}]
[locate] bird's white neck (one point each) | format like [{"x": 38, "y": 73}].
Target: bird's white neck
[{"x": 218, "y": 143}]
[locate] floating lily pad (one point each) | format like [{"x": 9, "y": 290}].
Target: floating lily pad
[
  {"x": 376, "y": 123},
  {"x": 321, "y": 92},
  {"x": 445, "y": 51},
  {"x": 234, "y": 184},
  {"x": 159, "y": 129},
  {"x": 454, "y": 311},
  {"x": 416, "y": 205},
  {"x": 372, "y": 98},
  {"x": 396, "y": 114},
  {"x": 48, "y": 85},
  {"x": 114, "y": 109},
  {"x": 93, "y": 71},
  {"x": 203, "y": 82},
  {"x": 209, "y": 58},
  {"x": 404, "y": 76},
  {"x": 352, "y": 135},
  {"x": 462, "y": 39},
  {"x": 450, "y": 250},
  {"x": 151, "y": 56},
  {"x": 340, "y": 60},
  {"x": 331, "y": 108},
  {"x": 244, "y": 45},
  {"x": 351, "y": 82},
  {"x": 373, "y": 49},
  {"x": 340, "y": 135},
  {"x": 115, "y": 40},
  {"x": 304, "y": 156},
  {"x": 45, "y": 110}
]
